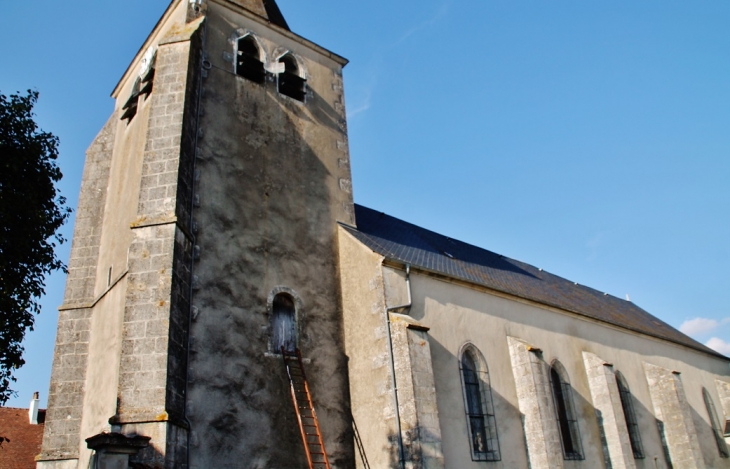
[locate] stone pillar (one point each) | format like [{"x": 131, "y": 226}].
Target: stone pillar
[
  {"x": 544, "y": 449},
  {"x": 674, "y": 417},
  {"x": 153, "y": 368},
  {"x": 61, "y": 438},
  {"x": 609, "y": 411},
  {"x": 419, "y": 418},
  {"x": 723, "y": 390},
  {"x": 113, "y": 450}
]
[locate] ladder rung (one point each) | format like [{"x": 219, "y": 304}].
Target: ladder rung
[{"x": 313, "y": 444}]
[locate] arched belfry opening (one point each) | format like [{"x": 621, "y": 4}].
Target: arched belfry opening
[
  {"x": 291, "y": 81},
  {"x": 249, "y": 63},
  {"x": 283, "y": 323}
]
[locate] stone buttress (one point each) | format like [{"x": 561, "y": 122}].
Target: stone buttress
[{"x": 206, "y": 195}]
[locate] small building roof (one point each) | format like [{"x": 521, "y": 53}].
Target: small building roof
[
  {"x": 410, "y": 244},
  {"x": 23, "y": 440}
]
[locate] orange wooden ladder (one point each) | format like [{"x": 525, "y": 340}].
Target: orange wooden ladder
[{"x": 302, "y": 398}]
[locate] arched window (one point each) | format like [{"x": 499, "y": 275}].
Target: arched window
[
  {"x": 627, "y": 403},
  {"x": 565, "y": 412},
  {"x": 291, "y": 82},
  {"x": 283, "y": 323},
  {"x": 481, "y": 423},
  {"x": 248, "y": 60},
  {"x": 716, "y": 428}
]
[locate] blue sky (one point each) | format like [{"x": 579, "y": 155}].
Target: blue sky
[{"x": 587, "y": 138}]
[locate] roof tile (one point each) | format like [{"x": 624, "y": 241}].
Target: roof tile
[{"x": 401, "y": 241}]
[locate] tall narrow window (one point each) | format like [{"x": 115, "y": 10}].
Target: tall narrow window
[
  {"x": 291, "y": 82},
  {"x": 248, "y": 60},
  {"x": 481, "y": 423},
  {"x": 632, "y": 425},
  {"x": 283, "y": 323},
  {"x": 716, "y": 428},
  {"x": 565, "y": 412}
]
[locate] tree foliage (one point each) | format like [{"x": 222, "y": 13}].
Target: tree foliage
[{"x": 31, "y": 213}]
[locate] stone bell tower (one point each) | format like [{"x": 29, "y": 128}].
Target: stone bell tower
[{"x": 205, "y": 241}]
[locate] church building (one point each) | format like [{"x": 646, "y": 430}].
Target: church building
[{"x": 228, "y": 305}]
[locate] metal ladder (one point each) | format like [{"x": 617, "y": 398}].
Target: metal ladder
[{"x": 302, "y": 398}]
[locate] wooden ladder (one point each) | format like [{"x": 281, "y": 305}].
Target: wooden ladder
[{"x": 302, "y": 398}]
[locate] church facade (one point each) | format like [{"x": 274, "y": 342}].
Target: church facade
[{"x": 218, "y": 252}]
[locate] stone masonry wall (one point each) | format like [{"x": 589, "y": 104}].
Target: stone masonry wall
[
  {"x": 155, "y": 332},
  {"x": 367, "y": 349},
  {"x": 536, "y": 405},
  {"x": 416, "y": 396},
  {"x": 271, "y": 188},
  {"x": 66, "y": 394},
  {"x": 674, "y": 417},
  {"x": 723, "y": 390},
  {"x": 89, "y": 217},
  {"x": 610, "y": 414}
]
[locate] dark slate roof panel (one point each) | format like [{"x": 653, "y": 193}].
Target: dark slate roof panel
[{"x": 398, "y": 240}]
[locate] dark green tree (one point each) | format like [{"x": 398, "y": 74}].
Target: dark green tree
[{"x": 31, "y": 213}]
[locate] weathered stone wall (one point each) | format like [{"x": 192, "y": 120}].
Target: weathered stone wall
[
  {"x": 66, "y": 394},
  {"x": 723, "y": 390},
  {"x": 273, "y": 182},
  {"x": 89, "y": 217},
  {"x": 366, "y": 336},
  {"x": 674, "y": 417},
  {"x": 609, "y": 412},
  {"x": 416, "y": 395},
  {"x": 153, "y": 367},
  {"x": 458, "y": 314},
  {"x": 536, "y": 405}
]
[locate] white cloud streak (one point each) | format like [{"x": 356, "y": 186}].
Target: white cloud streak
[
  {"x": 362, "y": 107},
  {"x": 719, "y": 345},
  {"x": 426, "y": 24},
  {"x": 699, "y": 326},
  {"x": 366, "y": 103}
]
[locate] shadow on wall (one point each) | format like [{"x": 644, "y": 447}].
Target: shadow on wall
[
  {"x": 148, "y": 458},
  {"x": 266, "y": 219},
  {"x": 510, "y": 432},
  {"x": 509, "y": 421},
  {"x": 546, "y": 322},
  {"x": 708, "y": 442}
]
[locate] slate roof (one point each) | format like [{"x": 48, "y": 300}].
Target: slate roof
[
  {"x": 401, "y": 241},
  {"x": 25, "y": 439}
]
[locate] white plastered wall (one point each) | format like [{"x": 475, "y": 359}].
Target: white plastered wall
[{"x": 456, "y": 313}]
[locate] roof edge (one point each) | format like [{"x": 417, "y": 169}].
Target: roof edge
[{"x": 393, "y": 262}]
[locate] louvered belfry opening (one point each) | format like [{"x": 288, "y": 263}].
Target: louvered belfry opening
[
  {"x": 304, "y": 408},
  {"x": 142, "y": 87},
  {"x": 290, "y": 82},
  {"x": 248, "y": 60}
]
